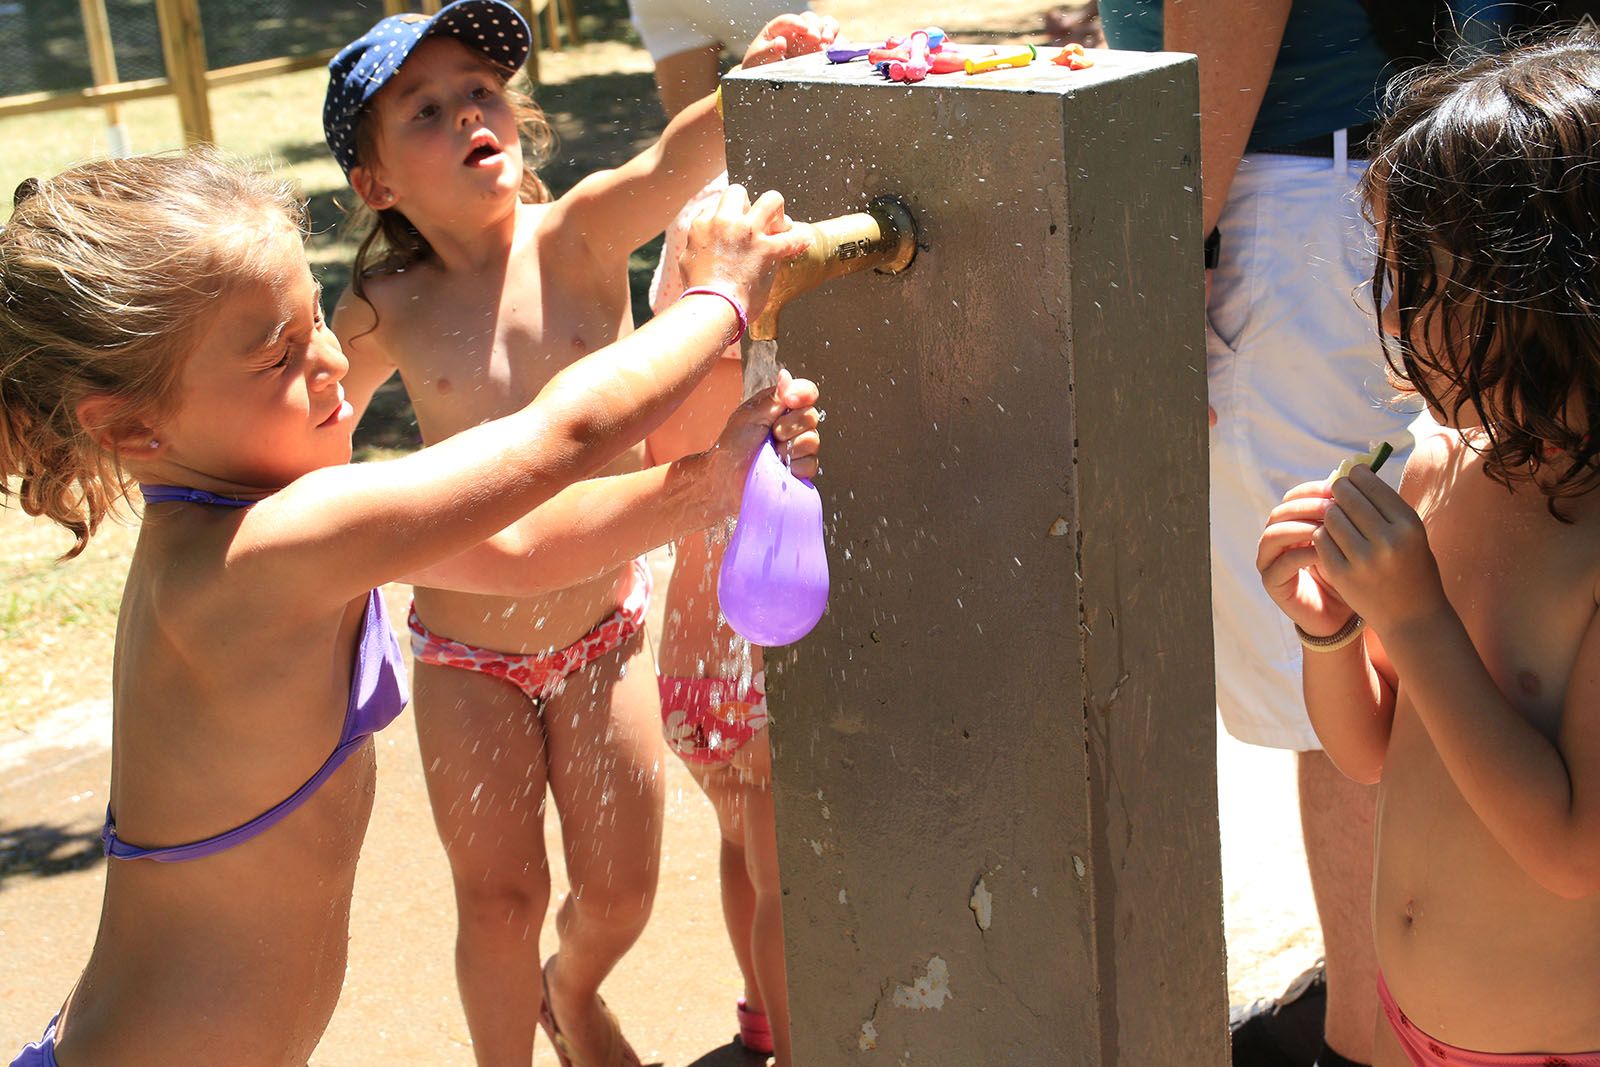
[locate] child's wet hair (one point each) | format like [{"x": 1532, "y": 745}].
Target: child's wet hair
[
  {"x": 107, "y": 274},
  {"x": 392, "y": 243},
  {"x": 1485, "y": 187}
]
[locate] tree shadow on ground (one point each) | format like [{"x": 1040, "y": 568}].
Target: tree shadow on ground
[
  {"x": 733, "y": 1054},
  {"x": 40, "y": 850}
]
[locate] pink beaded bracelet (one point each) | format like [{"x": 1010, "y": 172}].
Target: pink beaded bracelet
[{"x": 733, "y": 302}]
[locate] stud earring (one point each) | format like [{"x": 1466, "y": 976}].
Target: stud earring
[{"x": 153, "y": 443}]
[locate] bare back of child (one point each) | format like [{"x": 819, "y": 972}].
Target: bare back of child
[
  {"x": 1452, "y": 629},
  {"x": 515, "y": 696}
]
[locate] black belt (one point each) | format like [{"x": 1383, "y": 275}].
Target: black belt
[{"x": 1321, "y": 146}]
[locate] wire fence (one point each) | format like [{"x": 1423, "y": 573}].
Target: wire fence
[
  {"x": 42, "y": 42},
  {"x": 62, "y": 54}
]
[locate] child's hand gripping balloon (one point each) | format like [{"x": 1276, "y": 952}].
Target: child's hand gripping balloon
[{"x": 773, "y": 587}]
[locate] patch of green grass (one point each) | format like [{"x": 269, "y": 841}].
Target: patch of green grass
[{"x": 57, "y": 620}]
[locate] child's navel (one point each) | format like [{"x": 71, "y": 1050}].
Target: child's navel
[
  {"x": 1529, "y": 683},
  {"x": 444, "y": 386}
]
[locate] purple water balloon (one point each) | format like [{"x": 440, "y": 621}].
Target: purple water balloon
[{"x": 774, "y": 583}]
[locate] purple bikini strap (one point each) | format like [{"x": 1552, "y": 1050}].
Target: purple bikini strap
[
  {"x": 116, "y": 848},
  {"x": 168, "y": 494}
]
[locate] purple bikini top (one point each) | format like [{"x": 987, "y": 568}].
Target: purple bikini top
[{"x": 378, "y": 693}]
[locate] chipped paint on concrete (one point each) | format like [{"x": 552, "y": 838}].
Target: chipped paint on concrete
[
  {"x": 982, "y": 904},
  {"x": 869, "y": 1037},
  {"x": 843, "y": 899},
  {"x": 1077, "y": 866},
  {"x": 927, "y": 992}
]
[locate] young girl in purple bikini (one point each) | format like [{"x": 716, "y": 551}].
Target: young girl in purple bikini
[
  {"x": 1452, "y": 629},
  {"x": 159, "y": 325}
]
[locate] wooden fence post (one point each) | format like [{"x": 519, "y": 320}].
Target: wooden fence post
[
  {"x": 103, "y": 63},
  {"x": 530, "y": 11},
  {"x": 183, "y": 46},
  {"x": 394, "y": 7}
]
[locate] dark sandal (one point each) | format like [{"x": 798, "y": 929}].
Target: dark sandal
[{"x": 1286, "y": 1031}]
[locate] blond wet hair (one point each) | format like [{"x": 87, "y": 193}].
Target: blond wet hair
[{"x": 107, "y": 274}]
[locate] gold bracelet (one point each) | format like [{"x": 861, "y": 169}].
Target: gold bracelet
[{"x": 1345, "y": 635}]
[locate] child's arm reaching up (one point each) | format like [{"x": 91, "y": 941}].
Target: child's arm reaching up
[
  {"x": 1349, "y": 691},
  {"x": 623, "y": 208},
  {"x": 340, "y": 530},
  {"x": 601, "y": 523},
  {"x": 1539, "y": 798}
]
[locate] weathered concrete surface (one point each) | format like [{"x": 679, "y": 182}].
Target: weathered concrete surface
[{"x": 996, "y": 778}]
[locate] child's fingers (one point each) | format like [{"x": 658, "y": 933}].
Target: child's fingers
[
  {"x": 1354, "y": 505},
  {"x": 792, "y": 424},
  {"x": 733, "y": 203},
  {"x": 1382, "y": 496},
  {"x": 1341, "y": 532},
  {"x": 808, "y": 468},
  {"x": 1317, "y": 488},
  {"x": 1302, "y": 509},
  {"x": 1283, "y": 573},
  {"x": 1331, "y": 560},
  {"x": 796, "y": 392},
  {"x": 802, "y": 445},
  {"x": 767, "y": 212},
  {"x": 1282, "y": 537},
  {"x": 768, "y": 50}
]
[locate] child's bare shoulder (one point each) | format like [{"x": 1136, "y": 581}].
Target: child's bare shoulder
[{"x": 1437, "y": 451}]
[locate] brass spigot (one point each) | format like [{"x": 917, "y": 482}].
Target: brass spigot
[{"x": 883, "y": 237}]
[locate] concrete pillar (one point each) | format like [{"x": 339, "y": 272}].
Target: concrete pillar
[{"x": 995, "y": 757}]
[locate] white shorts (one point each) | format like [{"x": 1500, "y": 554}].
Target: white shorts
[
  {"x": 668, "y": 27},
  {"x": 1296, "y": 376}
]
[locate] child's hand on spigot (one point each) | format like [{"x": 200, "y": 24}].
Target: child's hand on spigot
[
  {"x": 788, "y": 411},
  {"x": 738, "y": 246},
  {"x": 788, "y": 36}
]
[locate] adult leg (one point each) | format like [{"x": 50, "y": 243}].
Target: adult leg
[
  {"x": 1337, "y": 818},
  {"x": 687, "y": 76},
  {"x": 605, "y": 755},
  {"x": 483, "y": 756}
]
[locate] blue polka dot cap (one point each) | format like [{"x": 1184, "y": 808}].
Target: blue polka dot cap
[{"x": 365, "y": 65}]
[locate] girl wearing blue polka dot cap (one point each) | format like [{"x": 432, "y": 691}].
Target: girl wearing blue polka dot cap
[
  {"x": 482, "y": 290},
  {"x": 495, "y": 30}
]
